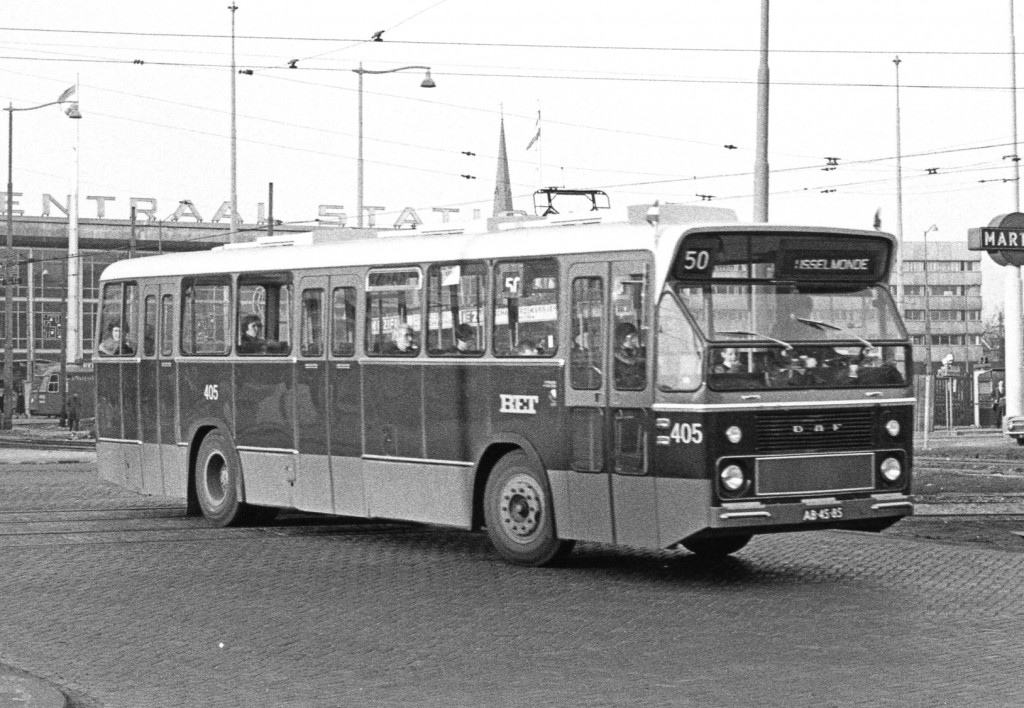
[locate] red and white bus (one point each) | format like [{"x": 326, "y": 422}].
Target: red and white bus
[{"x": 686, "y": 385}]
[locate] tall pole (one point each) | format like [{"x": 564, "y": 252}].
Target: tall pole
[
  {"x": 761, "y": 157},
  {"x": 427, "y": 82},
  {"x": 30, "y": 330},
  {"x": 6, "y": 422},
  {"x": 73, "y": 348},
  {"x": 928, "y": 405},
  {"x": 235, "y": 222},
  {"x": 898, "y": 279},
  {"x": 359, "y": 159},
  {"x": 1012, "y": 286}
]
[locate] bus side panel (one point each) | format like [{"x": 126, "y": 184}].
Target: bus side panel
[
  {"x": 313, "y": 483},
  {"x": 149, "y": 432},
  {"x": 635, "y": 499},
  {"x": 108, "y": 401},
  {"x": 205, "y": 389},
  {"x": 265, "y": 405},
  {"x": 582, "y": 503},
  {"x": 174, "y": 462},
  {"x": 166, "y": 389},
  {"x": 394, "y": 413},
  {"x": 427, "y": 493},
  {"x": 130, "y": 400},
  {"x": 346, "y": 437},
  {"x": 524, "y": 400},
  {"x": 456, "y": 411},
  {"x": 683, "y": 508}
]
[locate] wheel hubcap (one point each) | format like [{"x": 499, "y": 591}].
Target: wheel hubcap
[
  {"x": 217, "y": 478},
  {"x": 521, "y": 509}
]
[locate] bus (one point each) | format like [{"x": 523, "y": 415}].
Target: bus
[
  {"x": 45, "y": 395},
  {"x": 661, "y": 387}
]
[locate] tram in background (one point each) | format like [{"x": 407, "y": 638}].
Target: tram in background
[
  {"x": 45, "y": 396},
  {"x": 687, "y": 385}
]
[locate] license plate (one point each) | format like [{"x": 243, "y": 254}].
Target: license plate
[{"x": 825, "y": 513}]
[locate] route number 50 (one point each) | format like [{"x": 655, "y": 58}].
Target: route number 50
[
  {"x": 696, "y": 260},
  {"x": 687, "y": 433}
]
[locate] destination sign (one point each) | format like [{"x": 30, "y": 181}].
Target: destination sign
[{"x": 820, "y": 264}]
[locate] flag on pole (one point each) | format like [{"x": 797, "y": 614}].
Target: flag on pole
[
  {"x": 66, "y": 95},
  {"x": 878, "y": 219},
  {"x": 536, "y": 135}
]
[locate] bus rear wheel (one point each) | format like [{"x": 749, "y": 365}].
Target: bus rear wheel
[
  {"x": 218, "y": 480},
  {"x": 717, "y": 547},
  {"x": 518, "y": 513}
]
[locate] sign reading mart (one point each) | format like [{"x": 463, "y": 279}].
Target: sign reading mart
[{"x": 988, "y": 238}]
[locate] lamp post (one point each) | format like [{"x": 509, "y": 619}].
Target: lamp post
[
  {"x": 426, "y": 83},
  {"x": 927, "y": 341},
  {"x": 9, "y": 272}
]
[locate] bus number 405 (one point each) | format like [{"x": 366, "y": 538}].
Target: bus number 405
[
  {"x": 210, "y": 392},
  {"x": 687, "y": 433}
]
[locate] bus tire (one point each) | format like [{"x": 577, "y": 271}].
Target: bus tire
[
  {"x": 217, "y": 476},
  {"x": 717, "y": 547},
  {"x": 518, "y": 513}
]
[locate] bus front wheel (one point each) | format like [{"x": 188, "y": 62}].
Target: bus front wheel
[
  {"x": 518, "y": 513},
  {"x": 716, "y": 547},
  {"x": 217, "y": 476}
]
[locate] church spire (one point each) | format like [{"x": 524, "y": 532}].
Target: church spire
[{"x": 502, "y": 183}]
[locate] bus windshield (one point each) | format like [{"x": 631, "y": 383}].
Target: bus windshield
[{"x": 775, "y": 335}]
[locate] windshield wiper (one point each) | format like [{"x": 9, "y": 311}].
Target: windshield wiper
[
  {"x": 828, "y": 325},
  {"x": 787, "y": 345}
]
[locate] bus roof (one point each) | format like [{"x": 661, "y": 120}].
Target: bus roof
[{"x": 313, "y": 250}]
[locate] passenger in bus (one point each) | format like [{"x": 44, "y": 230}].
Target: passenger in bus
[
  {"x": 465, "y": 339},
  {"x": 730, "y": 363},
  {"x": 251, "y": 340},
  {"x": 402, "y": 341},
  {"x": 113, "y": 344},
  {"x": 630, "y": 358}
]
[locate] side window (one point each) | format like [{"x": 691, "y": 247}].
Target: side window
[
  {"x": 166, "y": 325},
  {"x": 629, "y": 303},
  {"x": 118, "y": 313},
  {"x": 311, "y": 339},
  {"x": 526, "y": 308},
  {"x": 455, "y": 308},
  {"x": 149, "y": 326},
  {"x": 53, "y": 385},
  {"x": 264, "y": 304},
  {"x": 587, "y": 355},
  {"x": 206, "y": 317},
  {"x": 393, "y": 305},
  {"x": 343, "y": 322},
  {"x": 680, "y": 357}
]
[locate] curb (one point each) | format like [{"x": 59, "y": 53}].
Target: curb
[{"x": 20, "y": 690}]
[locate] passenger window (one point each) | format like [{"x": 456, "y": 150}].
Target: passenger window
[
  {"x": 343, "y": 322},
  {"x": 587, "y": 356},
  {"x": 629, "y": 303},
  {"x": 149, "y": 326},
  {"x": 680, "y": 356},
  {"x": 311, "y": 340},
  {"x": 118, "y": 314},
  {"x": 206, "y": 317},
  {"x": 526, "y": 308},
  {"x": 455, "y": 307},
  {"x": 393, "y": 312},
  {"x": 166, "y": 325},
  {"x": 264, "y": 304}
]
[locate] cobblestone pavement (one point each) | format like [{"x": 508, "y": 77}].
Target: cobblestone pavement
[{"x": 122, "y": 601}]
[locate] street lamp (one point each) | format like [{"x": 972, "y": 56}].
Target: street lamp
[
  {"x": 927, "y": 340},
  {"x": 71, "y": 109},
  {"x": 426, "y": 83}
]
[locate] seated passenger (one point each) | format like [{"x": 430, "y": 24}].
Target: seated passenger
[
  {"x": 251, "y": 340},
  {"x": 630, "y": 358},
  {"x": 730, "y": 363},
  {"x": 114, "y": 344},
  {"x": 401, "y": 342},
  {"x": 465, "y": 340}
]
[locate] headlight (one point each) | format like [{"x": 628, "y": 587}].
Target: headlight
[
  {"x": 891, "y": 469},
  {"x": 732, "y": 478},
  {"x": 892, "y": 426},
  {"x": 734, "y": 434}
]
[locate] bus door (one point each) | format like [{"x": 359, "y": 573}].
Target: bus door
[
  {"x": 588, "y": 513},
  {"x": 149, "y": 387},
  {"x": 313, "y": 481},
  {"x": 172, "y": 457},
  {"x": 344, "y": 395}
]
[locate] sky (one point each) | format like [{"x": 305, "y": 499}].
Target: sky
[{"x": 638, "y": 99}]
